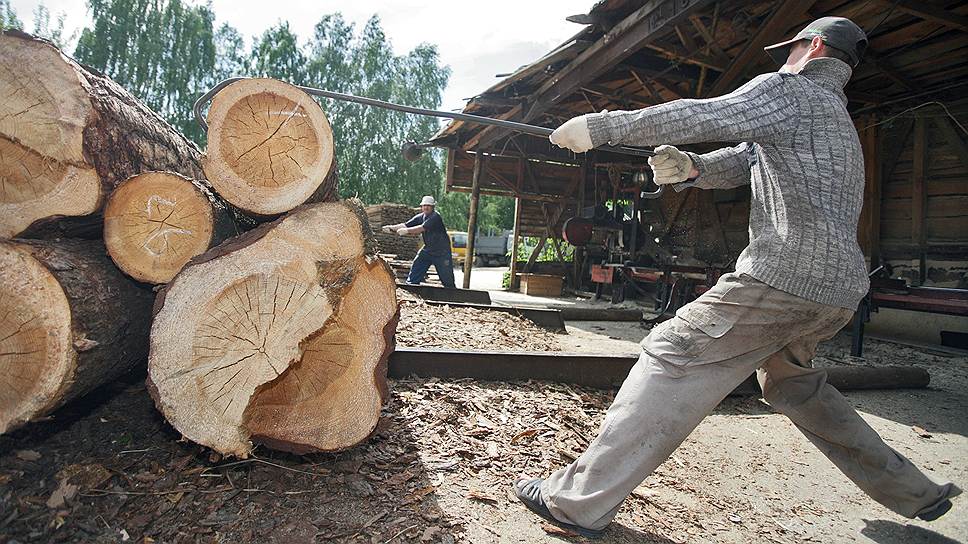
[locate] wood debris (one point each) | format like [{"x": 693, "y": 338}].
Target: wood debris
[{"x": 425, "y": 326}]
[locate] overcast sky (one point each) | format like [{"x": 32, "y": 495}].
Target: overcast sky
[{"x": 476, "y": 39}]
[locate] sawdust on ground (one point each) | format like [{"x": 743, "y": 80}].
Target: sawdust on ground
[{"x": 431, "y": 326}]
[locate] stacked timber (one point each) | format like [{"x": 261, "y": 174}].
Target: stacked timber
[
  {"x": 71, "y": 322},
  {"x": 275, "y": 333},
  {"x": 404, "y": 247},
  {"x": 280, "y": 336}
]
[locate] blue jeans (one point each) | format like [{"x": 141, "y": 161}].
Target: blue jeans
[{"x": 421, "y": 264}]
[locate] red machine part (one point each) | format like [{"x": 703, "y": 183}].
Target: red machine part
[
  {"x": 577, "y": 231},
  {"x": 602, "y": 274}
]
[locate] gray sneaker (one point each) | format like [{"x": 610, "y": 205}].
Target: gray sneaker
[{"x": 529, "y": 492}]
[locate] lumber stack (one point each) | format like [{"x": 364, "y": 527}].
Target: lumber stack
[
  {"x": 404, "y": 247},
  {"x": 274, "y": 315}
]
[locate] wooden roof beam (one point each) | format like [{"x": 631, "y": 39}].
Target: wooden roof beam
[
  {"x": 694, "y": 57},
  {"x": 926, "y": 11},
  {"x": 630, "y": 35},
  {"x": 718, "y": 54},
  {"x": 887, "y": 69},
  {"x": 785, "y": 13}
]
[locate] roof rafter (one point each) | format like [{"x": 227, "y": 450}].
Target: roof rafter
[
  {"x": 625, "y": 38},
  {"x": 784, "y": 14}
]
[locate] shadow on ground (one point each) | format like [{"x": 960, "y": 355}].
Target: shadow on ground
[
  {"x": 125, "y": 474},
  {"x": 889, "y": 532}
]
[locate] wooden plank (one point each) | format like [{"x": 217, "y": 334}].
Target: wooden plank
[
  {"x": 784, "y": 14},
  {"x": 953, "y": 140},
  {"x": 534, "y": 255},
  {"x": 873, "y": 175},
  {"x": 919, "y": 197},
  {"x": 719, "y": 54},
  {"x": 472, "y": 218},
  {"x": 893, "y": 145},
  {"x": 514, "y": 242},
  {"x": 931, "y": 13}
]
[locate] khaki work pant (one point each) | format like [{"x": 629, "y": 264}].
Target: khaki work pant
[{"x": 691, "y": 362}]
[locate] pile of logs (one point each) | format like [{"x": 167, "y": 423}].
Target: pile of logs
[
  {"x": 256, "y": 297},
  {"x": 403, "y": 247}
]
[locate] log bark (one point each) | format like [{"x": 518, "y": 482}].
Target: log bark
[
  {"x": 71, "y": 322},
  {"x": 70, "y": 135},
  {"x": 270, "y": 147},
  {"x": 155, "y": 222},
  {"x": 289, "y": 327}
]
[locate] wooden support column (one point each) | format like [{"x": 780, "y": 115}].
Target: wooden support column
[
  {"x": 512, "y": 285},
  {"x": 870, "y": 225},
  {"x": 534, "y": 255},
  {"x": 472, "y": 218},
  {"x": 919, "y": 197}
]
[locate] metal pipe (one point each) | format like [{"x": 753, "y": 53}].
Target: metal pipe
[{"x": 470, "y": 118}]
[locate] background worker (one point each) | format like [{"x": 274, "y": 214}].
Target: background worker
[
  {"x": 436, "y": 249},
  {"x": 795, "y": 285}
]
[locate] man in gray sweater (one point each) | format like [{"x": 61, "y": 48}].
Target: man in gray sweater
[{"x": 795, "y": 285}]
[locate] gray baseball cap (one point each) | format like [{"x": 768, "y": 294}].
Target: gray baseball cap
[{"x": 836, "y": 32}]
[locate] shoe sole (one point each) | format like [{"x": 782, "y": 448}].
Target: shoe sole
[{"x": 543, "y": 511}]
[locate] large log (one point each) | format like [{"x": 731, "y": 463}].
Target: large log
[
  {"x": 69, "y": 136},
  {"x": 270, "y": 147},
  {"x": 279, "y": 336},
  {"x": 70, "y": 322},
  {"x": 155, "y": 222}
]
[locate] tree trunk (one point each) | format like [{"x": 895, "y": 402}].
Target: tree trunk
[
  {"x": 155, "y": 222},
  {"x": 270, "y": 147},
  {"x": 69, "y": 136},
  {"x": 289, "y": 329},
  {"x": 71, "y": 322}
]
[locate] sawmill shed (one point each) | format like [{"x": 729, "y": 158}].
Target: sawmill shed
[{"x": 907, "y": 98}]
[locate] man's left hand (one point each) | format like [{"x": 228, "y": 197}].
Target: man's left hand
[
  {"x": 573, "y": 135},
  {"x": 403, "y": 231}
]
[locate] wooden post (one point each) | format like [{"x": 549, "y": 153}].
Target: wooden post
[
  {"x": 919, "y": 197},
  {"x": 514, "y": 242},
  {"x": 534, "y": 255},
  {"x": 870, "y": 225},
  {"x": 472, "y": 219}
]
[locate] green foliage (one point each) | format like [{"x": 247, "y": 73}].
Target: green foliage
[
  {"x": 526, "y": 245},
  {"x": 494, "y": 213},
  {"x": 163, "y": 51},
  {"x": 8, "y": 17},
  {"x": 230, "y": 57},
  {"x": 53, "y": 32},
  {"x": 167, "y": 53}
]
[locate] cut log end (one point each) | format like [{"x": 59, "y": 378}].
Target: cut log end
[
  {"x": 36, "y": 354},
  {"x": 283, "y": 349},
  {"x": 270, "y": 146},
  {"x": 154, "y": 223},
  {"x": 43, "y": 171}
]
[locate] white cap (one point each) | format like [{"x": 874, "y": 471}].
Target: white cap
[{"x": 428, "y": 201}]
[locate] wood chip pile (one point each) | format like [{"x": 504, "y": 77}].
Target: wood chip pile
[
  {"x": 426, "y": 326},
  {"x": 404, "y": 247}
]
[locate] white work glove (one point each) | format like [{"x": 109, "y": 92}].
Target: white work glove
[
  {"x": 573, "y": 135},
  {"x": 403, "y": 231},
  {"x": 387, "y": 228},
  {"x": 670, "y": 165}
]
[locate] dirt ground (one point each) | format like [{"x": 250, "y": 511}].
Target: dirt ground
[{"x": 439, "y": 468}]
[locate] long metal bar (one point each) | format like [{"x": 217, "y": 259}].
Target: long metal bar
[{"x": 470, "y": 118}]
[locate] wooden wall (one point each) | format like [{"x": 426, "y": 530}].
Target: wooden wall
[{"x": 923, "y": 219}]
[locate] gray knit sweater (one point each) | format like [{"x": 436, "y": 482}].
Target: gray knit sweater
[{"x": 802, "y": 157}]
